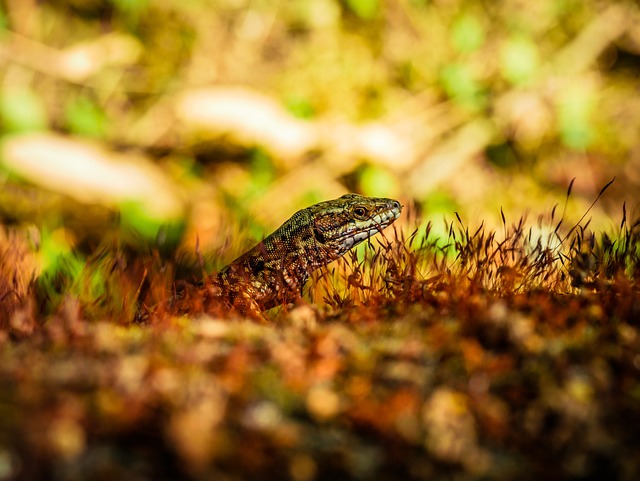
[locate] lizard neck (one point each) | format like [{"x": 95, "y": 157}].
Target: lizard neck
[{"x": 277, "y": 268}]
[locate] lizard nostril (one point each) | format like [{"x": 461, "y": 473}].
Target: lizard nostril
[{"x": 396, "y": 204}]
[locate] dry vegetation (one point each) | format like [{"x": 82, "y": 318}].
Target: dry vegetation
[{"x": 491, "y": 355}]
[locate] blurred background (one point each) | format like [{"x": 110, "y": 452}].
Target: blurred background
[
  {"x": 209, "y": 122},
  {"x": 198, "y": 126}
]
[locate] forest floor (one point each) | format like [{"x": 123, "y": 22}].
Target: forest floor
[{"x": 504, "y": 360}]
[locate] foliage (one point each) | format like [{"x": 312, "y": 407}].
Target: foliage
[{"x": 450, "y": 348}]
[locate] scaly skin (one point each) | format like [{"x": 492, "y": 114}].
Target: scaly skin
[{"x": 274, "y": 271}]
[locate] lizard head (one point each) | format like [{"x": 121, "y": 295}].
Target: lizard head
[{"x": 340, "y": 224}]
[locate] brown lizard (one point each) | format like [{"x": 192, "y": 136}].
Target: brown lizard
[{"x": 276, "y": 269}]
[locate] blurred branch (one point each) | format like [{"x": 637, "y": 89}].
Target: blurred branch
[
  {"x": 79, "y": 63},
  {"x": 85, "y": 184},
  {"x": 90, "y": 173},
  {"x": 448, "y": 158},
  {"x": 600, "y": 33}
]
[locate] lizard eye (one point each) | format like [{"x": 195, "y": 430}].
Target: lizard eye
[
  {"x": 360, "y": 212},
  {"x": 319, "y": 236}
]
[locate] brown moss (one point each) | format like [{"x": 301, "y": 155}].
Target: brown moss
[{"x": 482, "y": 356}]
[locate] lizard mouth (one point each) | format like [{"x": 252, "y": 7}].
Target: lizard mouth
[{"x": 369, "y": 228}]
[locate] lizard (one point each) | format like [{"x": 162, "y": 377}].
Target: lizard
[{"x": 275, "y": 270}]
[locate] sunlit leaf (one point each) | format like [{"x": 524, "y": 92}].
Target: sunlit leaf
[
  {"x": 377, "y": 181},
  {"x": 467, "y": 33},
  {"x": 460, "y": 84},
  {"x": 301, "y": 107},
  {"x": 131, "y": 6},
  {"x": 262, "y": 169},
  {"x": 3, "y": 20},
  {"x": 56, "y": 254},
  {"x": 86, "y": 118},
  {"x": 154, "y": 230},
  {"x": 22, "y": 110},
  {"x": 365, "y": 9},
  {"x": 575, "y": 107},
  {"x": 519, "y": 60}
]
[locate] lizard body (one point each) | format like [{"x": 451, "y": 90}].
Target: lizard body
[{"x": 276, "y": 269}]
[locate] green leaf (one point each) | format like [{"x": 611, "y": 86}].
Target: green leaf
[
  {"x": 459, "y": 83},
  {"x": 22, "y": 110},
  {"x": 377, "y": 181},
  {"x": 574, "y": 112},
  {"x": 365, "y": 9},
  {"x": 56, "y": 255},
  {"x": 131, "y": 6},
  {"x": 467, "y": 34},
  {"x": 4, "y": 22},
  {"x": 161, "y": 232},
  {"x": 84, "y": 117},
  {"x": 131, "y": 10},
  {"x": 262, "y": 171},
  {"x": 300, "y": 107},
  {"x": 439, "y": 202},
  {"x": 519, "y": 60}
]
